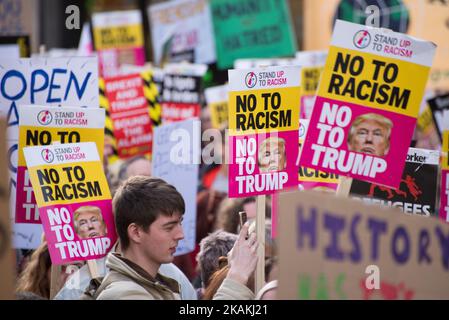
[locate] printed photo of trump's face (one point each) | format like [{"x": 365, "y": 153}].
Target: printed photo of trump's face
[
  {"x": 88, "y": 222},
  {"x": 271, "y": 155},
  {"x": 370, "y": 134}
]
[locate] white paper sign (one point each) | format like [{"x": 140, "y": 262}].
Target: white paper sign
[{"x": 176, "y": 151}]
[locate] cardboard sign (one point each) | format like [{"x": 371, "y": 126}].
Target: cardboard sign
[
  {"x": 309, "y": 178},
  {"x": 263, "y": 130},
  {"x": 417, "y": 193},
  {"x": 57, "y": 81},
  {"x": 367, "y": 103},
  {"x": 423, "y": 19},
  {"x": 118, "y": 39},
  {"x": 7, "y": 266},
  {"x": 74, "y": 200},
  {"x": 444, "y": 184},
  {"x": 337, "y": 248},
  {"x": 129, "y": 112},
  {"x": 176, "y": 152},
  {"x": 217, "y": 102},
  {"x": 44, "y": 125},
  {"x": 181, "y": 95},
  {"x": 182, "y": 30},
  {"x": 245, "y": 29},
  {"x": 310, "y": 78}
]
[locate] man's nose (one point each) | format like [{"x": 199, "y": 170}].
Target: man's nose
[
  {"x": 90, "y": 225},
  {"x": 369, "y": 137},
  {"x": 179, "y": 235}
]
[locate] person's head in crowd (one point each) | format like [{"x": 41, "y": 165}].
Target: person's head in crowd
[
  {"x": 213, "y": 247},
  {"x": 216, "y": 279},
  {"x": 148, "y": 216},
  {"x": 207, "y": 203},
  {"x": 272, "y": 155},
  {"x": 35, "y": 278},
  {"x": 227, "y": 214},
  {"x": 370, "y": 134},
  {"x": 89, "y": 223},
  {"x": 135, "y": 166}
]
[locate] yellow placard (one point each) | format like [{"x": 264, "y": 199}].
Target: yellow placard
[
  {"x": 34, "y": 136},
  {"x": 377, "y": 82},
  {"x": 265, "y": 110},
  {"x": 69, "y": 183},
  {"x": 310, "y": 78},
  {"x": 218, "y": 113},
  {"x": 312, "y": 175},
  {"x": 120, "y": 37},
  {"x": 445, "y": 149}
]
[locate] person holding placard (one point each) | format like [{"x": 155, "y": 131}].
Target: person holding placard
[{"x": 148, "y": 215}]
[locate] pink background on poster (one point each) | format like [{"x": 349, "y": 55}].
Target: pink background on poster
[
  {"x": 443, "y": 195},
  {"x": 401, "y": 134},
  {"x": 106, "y": 210},
  {"x": 21, "y": 199},
  {"x": 291, "y": 140},
  {"x": 308, "y": 185}
]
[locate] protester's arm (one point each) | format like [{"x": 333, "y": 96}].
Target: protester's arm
[{"x": 242, "y": 263}]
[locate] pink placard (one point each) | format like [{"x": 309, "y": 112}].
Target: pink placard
[
  {"x": 75, "y": 232},
  {"x": 330, "y": 149},
  {"x": 263, "y": 163},
  {"x": 26, "y": 207}
]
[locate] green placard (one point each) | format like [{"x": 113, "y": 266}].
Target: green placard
[{"x": 251, "y": 29}]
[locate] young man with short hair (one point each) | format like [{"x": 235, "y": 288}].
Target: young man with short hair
[{"x": 148, "y": 216}]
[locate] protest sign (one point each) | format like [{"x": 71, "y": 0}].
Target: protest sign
[
  {"x": 367, "y": 103},
  {"x": 338, "y": 248},
  {"x": 118, "y": 39},
  {"x": 427, "y": 135},
  {"x": 176, "y": 152},
  {"x": 56, "y": 81},
  {"x": 44, "y": 125},
  {"x": 444, "y": 184},
  {"x": 417, "y": 193},
  {"x": 74, "y": 200},
  {"x": 423, "y": 19},
  {"x": 310, "y": 178},
  {"x": 6, "y": 258},
  {"x": 249, "y": 29},
  {"x": 440, "y": 112},
  {"x": 217, "y": 102},
  {"x": 181, "y": 30},
  {"x": 129, "y": 112},
  {"x": 263, "y": 130},
  {"x": 310, "y": 77},
  {"x": 181, "y": 96}
]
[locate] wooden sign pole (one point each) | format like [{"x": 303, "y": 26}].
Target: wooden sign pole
[
  {"x": 55, "y": 281},
  {"x": 260, "y": 232},
  {"x": 93, "y": 269},
  {"x": 344, "y": 186}
]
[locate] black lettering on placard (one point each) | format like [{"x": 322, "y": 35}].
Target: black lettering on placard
[
  {"x": 36, "y": 137},
  {"x": 367, "y": 89},
  {"x": 81, "y": 190}
]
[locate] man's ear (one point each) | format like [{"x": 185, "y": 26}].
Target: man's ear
[{"x": 134, "y": 233}]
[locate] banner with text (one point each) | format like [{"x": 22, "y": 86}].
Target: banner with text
[
  {"x": 367, "y": 103},
  {"x": 118, "y": 39},
  {"x": 128, "y": 111},
  {"x": 217, "y": 102},
  {"x": 338, "y": 248},
  {"x": 263, "y": 130},
  {"x": 417, "y": 193},
  {"x": 74, "y": 200},
  {"x": 56, "y": 81},
  {"x": 44, "y": 125}
]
